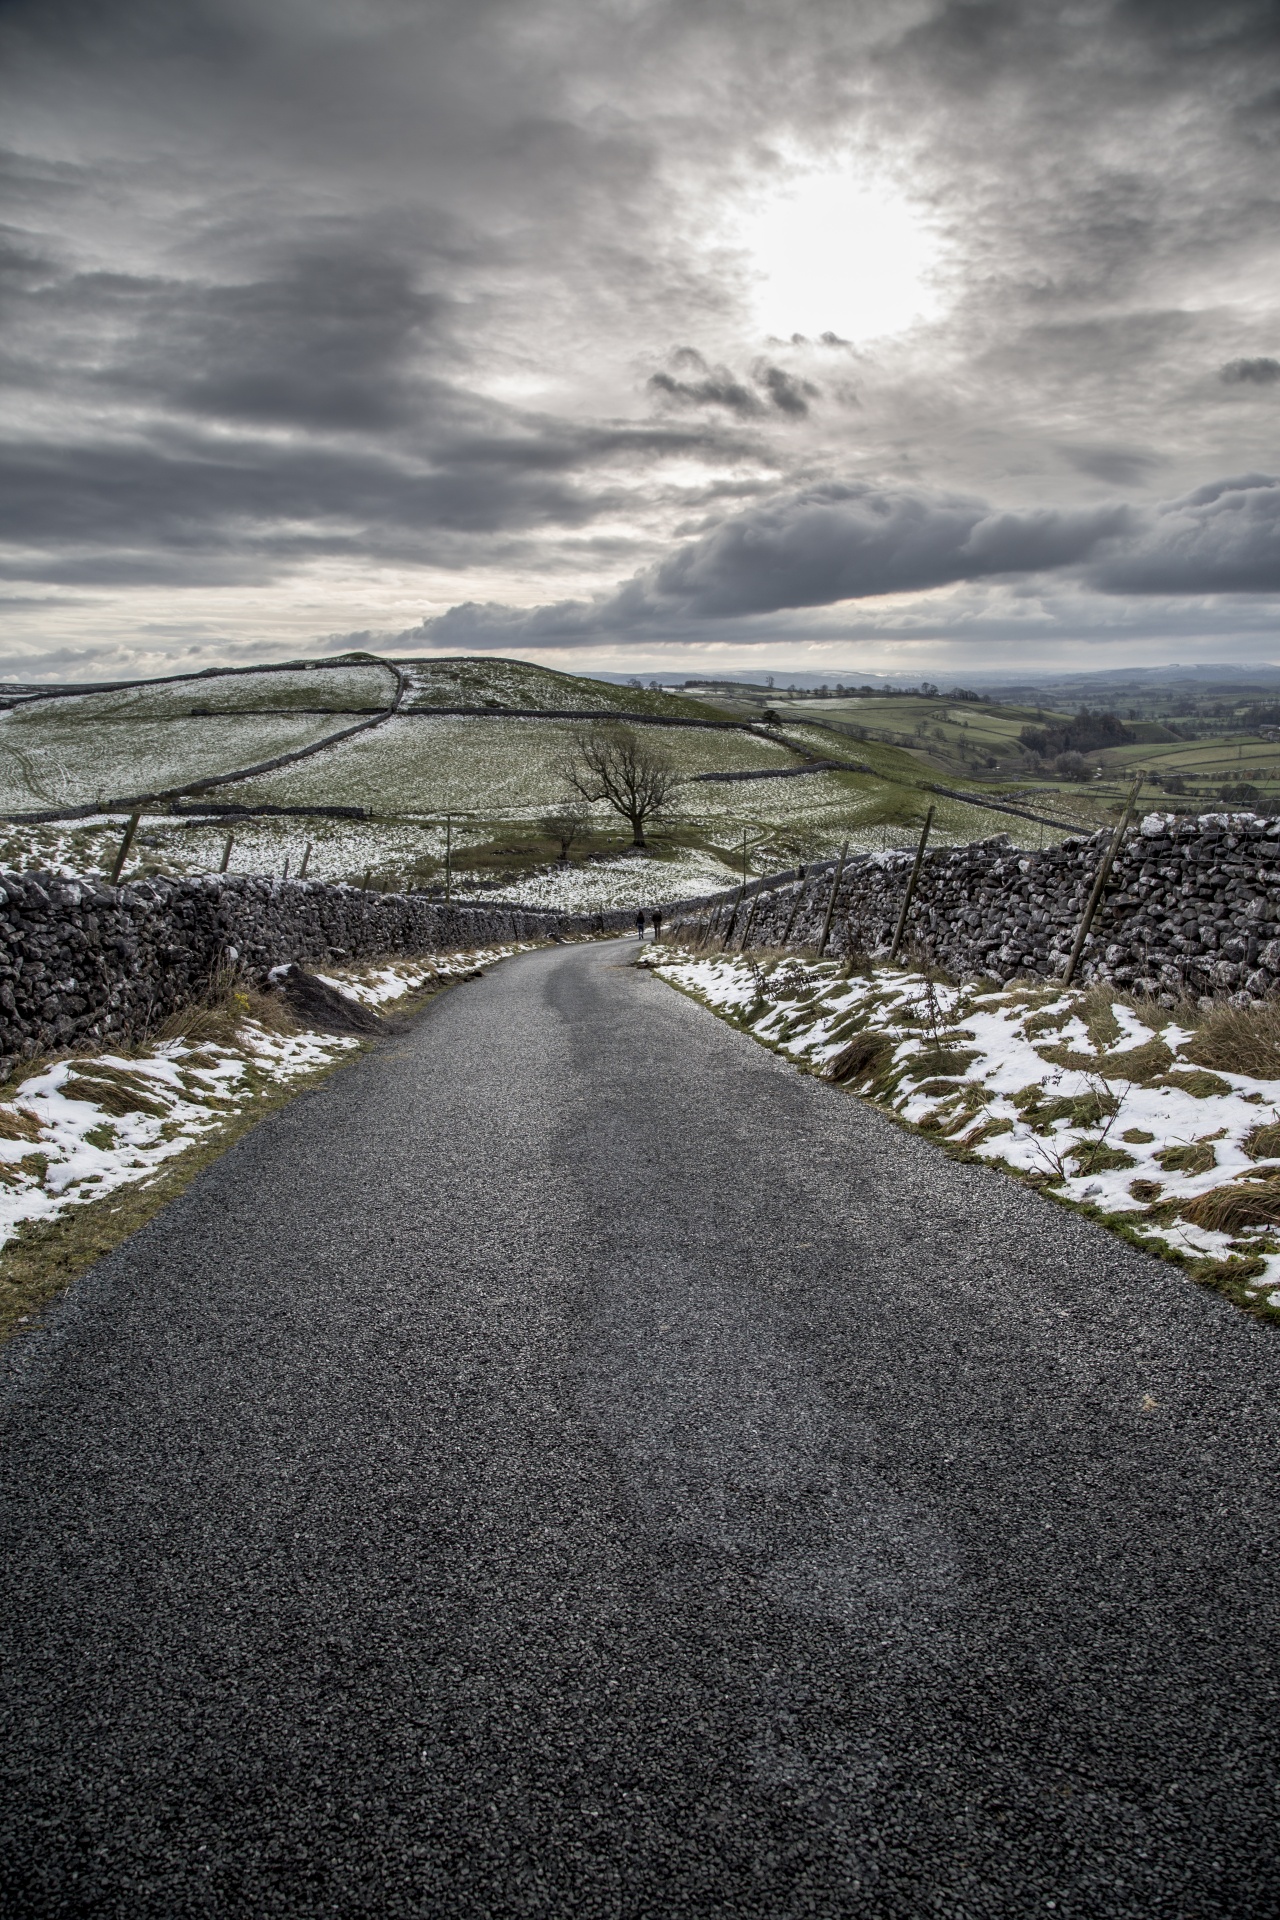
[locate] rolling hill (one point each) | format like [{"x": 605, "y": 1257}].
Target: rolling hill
[{"x": 371, "y": 770}]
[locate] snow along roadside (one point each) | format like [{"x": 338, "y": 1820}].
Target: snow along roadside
[
  {"x": 80, "y": 1128},
  {"x": 1070, "y": 1090}
]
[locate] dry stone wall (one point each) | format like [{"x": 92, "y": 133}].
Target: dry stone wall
[
  {"x": 81, "y": 962},
  {"x": 1193, "y": 905}
]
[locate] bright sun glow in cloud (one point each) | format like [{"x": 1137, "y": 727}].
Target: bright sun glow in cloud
[{"x": 832, "y": 255}]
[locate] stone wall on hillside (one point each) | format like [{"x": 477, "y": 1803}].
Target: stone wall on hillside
[
  {"x": 82, "y": 962},
  {"x": 1193, "y": 905}
]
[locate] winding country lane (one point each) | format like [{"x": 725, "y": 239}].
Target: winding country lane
[{"x": 571, "y": 1465}]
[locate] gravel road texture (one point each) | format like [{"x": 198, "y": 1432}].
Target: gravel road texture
[{"x": 571, "y": 1464}]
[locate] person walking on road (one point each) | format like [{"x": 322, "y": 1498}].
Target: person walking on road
[
  {"x": 657, "y": 923},
  {"x": 640, "y": 924}
]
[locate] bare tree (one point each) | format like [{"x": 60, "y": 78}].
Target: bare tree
[
  {"x": 636, "y": 779},
  {"x": 564, "y": 825}
]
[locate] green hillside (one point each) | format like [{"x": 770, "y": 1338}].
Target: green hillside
[
  {"x": 479, "y": 782},
  {"x": 424, "y": 763}
]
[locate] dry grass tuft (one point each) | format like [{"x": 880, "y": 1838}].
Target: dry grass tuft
[
  {"x": 1238, "y": 1040},
  {"x": 1263, "y": 1142},
  {"x": 216, "y": 1020},
  {"x": 29, "y": 1069},
  {"x": 1095, "y": 1008},
  {"x": 862, "y": 1057},
  {"x": 114, "y": 1090},
  {"x": 19, "y": 1123},
  {"x": 1228, "y": 1209},
  {"x": 1198, "y": 1082},
  {"x": 1139, "y": 1065},
  {"x": 1196, "y": 1157}
]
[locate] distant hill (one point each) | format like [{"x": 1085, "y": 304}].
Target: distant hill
[{"x": 465, "y": 681}]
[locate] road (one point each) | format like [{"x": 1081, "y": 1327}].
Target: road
[{"x": 571, "y": 1464}]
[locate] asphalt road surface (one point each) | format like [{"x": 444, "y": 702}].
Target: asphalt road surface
[{"x": 571, "y": 1464}]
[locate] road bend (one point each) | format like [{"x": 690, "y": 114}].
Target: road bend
[{"x": 571, "y": 1464}]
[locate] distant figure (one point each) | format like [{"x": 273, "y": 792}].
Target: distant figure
[
  {"x": 640, "y": 924},
  {"x": 657, "y": 923}
]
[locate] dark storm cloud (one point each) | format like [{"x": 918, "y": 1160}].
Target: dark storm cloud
[
  {"x": 835, "y": 543},
  {"x": 1223, "y": 538}
]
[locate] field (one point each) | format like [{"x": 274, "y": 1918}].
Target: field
[
  {"x": 1201, "y": 739},
  {"x": 465, "y": 764},
  {"x": 480, "y": 783},
  {"x": 94, "y": 748}
]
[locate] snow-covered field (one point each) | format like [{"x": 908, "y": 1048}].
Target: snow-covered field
[
  {"x": 599, "y": 885},
  {"x": 79, "y": 1128},
  {"x": 1075, "y": 1091},
  {"x": 71, "y": 761}
]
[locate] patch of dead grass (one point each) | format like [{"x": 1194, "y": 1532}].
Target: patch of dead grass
[{"x": 1238, "y": 1040}]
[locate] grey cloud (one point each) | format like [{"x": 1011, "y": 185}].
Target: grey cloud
[
  {"x": 835, "y": 542},
  {"x": 842, "y": 542},
  {"x": 1262, "y": 372},
  {"x": 1223, "y": 538},
  {"x": 716, "y": 387},
  {"x": 327, "y": 343},
  {"x": 202, "y": 508},
  {"x": 1118, "y": 466},
  {"x": 788, "y": 394}
]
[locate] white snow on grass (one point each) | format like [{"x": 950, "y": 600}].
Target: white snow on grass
[
  {"x": 1072, "y": 1089},
  {"x": 597, "y": 886},
  {"x": 377, "y": 983},
  {"x": 75, "y": 1130}
]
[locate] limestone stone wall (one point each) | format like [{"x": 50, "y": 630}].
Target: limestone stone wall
[
  {"x": 81, "y": 962},
  {"x": 1193, "y": 905}
]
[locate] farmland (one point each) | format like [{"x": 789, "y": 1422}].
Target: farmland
[
  {"x": 1201, "y": 741},
  {"x": 422, "y": 781}
]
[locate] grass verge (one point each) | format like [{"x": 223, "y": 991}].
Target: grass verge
[
  {"x": 44, "y": 1257},
  {"x": 1243, "y": 1041}
]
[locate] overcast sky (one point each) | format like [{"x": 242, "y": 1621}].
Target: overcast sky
[{"x": 884, "y": 333}]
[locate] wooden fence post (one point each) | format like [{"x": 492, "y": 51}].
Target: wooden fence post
[
  {"x": 733, "y": 915},
  {"x": 801, "y": 889},
  {"x": 1099, "y": 883},
  {"x": 306, "y": 861},
  {"x": 125, "y": 845},
  {"x": 909, "y": 895},
  {"x": 750, "y": 922},
  {"x": 226, "y": 853},
  {"x": 831, "y": 903}
]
